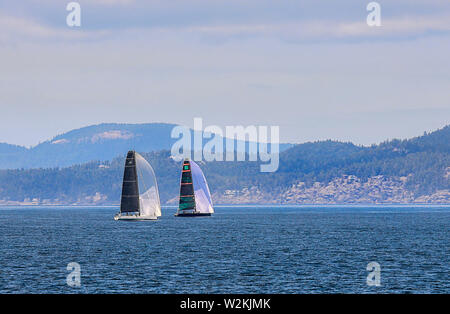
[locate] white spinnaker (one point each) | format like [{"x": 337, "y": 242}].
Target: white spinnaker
[
  {"x": 148, "y": 188},
  {"x": 203, "y": 201}
]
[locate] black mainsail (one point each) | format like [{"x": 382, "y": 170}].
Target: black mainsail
[{"x": 130, "y": 189}]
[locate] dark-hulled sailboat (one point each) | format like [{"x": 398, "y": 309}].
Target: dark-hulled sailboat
[
  {"x": 140, "y": 196},
  {"x": 195, "y": 198}
]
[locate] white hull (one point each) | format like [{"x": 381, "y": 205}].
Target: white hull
[{"x": 134, "y": 217}]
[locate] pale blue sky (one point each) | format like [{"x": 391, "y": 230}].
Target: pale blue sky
[{"x": 312, "y": 67}]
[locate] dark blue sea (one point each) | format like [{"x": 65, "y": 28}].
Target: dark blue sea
[{"x": 237, "y": 250}]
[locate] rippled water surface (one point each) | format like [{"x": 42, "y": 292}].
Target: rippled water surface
[{"x": 238, "y": 250}]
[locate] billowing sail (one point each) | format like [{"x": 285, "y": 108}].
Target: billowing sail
[
  {"x": 195, "y": 198},
  {"x": 203, "y": 201},
  {"x": 139, "y": 190},
  {"x": 148, "y": 188}
]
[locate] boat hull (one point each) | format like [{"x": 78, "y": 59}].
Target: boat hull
[
  {"x": 134, "y": 217},
  {"x": 192, "y": 214}
]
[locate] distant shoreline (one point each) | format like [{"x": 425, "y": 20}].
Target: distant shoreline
[{"x": 248, "y": 205}]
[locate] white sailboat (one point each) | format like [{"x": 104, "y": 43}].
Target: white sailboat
[{"x": 140, "y": 196}]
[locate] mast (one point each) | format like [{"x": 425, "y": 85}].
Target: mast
[{"x": 130, "y": 190}]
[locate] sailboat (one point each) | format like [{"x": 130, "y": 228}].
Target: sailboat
[
  {"x": 140, "y": 196},
  {"x": 195, "y": 198}
]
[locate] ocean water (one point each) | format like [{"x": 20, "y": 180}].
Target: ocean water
[{"x": 237, "y": 250}]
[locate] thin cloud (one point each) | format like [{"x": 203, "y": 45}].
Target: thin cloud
[
  {"x": 13, "y": 29},
  {"x": 398, "y": 27}
]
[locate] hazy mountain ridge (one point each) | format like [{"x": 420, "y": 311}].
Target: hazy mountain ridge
[
  {"x": 97, "y": 142},
  {"x": 327, "y": 172}
]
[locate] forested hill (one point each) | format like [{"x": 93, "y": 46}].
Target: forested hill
[{"x": 397, "y": 171}]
